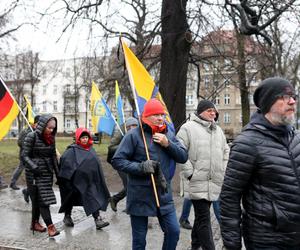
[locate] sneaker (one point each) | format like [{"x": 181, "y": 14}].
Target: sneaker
[
  {"x": 14, "y": 186},
  {"x": 25, "y": 195},
  {"x": 185, "y": 224},
  {"x": 68, "y": 221},
  {"x": 113, "y": 204},
  {"x": 100, "y": 223}
]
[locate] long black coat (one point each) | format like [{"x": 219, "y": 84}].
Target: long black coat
[
  {"x": 37, "y": 154},
  {"x": 81, "y": 173},
  {"x": 264, "y": 171}
]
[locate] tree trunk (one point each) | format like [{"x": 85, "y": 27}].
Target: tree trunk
[
  {"x": 242, "y": 78},
  {"x": 176, "y": 43}
]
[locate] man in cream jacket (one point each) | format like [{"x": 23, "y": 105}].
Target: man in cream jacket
[{"x": 208, "y": 155}]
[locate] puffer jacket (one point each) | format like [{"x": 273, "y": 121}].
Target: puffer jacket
[
  {"x": 37, "y": 154},
  {"x": 264, "y": 171},
  {"x": 129, "y": 155},
  {"x": 208, "y": 155}
]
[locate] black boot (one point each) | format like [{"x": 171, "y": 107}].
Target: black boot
[
  {"x": 68, "y": 221},
  {"x": 100, "y": 223},
  {"x": 14, "y": 186},
  {"x": 25, "y": 195}
]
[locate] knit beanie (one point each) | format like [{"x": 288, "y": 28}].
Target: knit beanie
[
  {"x": 269, "y": 90},
  {"x": 204, "y": 105},
  {"x": 131, "y": 121},
  {"x": 153, "y": 107}
]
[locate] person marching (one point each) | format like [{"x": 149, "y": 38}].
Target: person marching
[
  {"x": 39, "y": 155},
  {"x": 130, "y": 123},
  {"x": 131, "y": 158},
  {"x": 81, "y": 180}
]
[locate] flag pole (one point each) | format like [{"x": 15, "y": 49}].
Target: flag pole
[
  {"x": 140, "y": 123},
  {"x": 123, "y": 117},
  {"x": 22, "y": 113},
  {"x": 118, "y": 126}
]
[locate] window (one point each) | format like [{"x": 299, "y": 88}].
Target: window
[
  {"x": 68, "y": 105},
  {"x": 44, "y": 106},
  {"x": 189, "y": 100},
  {"x": 68, "y": 88},
  {"x": 55, "y": 106},
  {"x": 68, "y": 123},
  {"x": 189, "y": 85},
  {"x": 206, "y": 82},
  {"x": 44, "y": 89},
  {"x": 251, "y": 102},
  {"x": 217, "y": 100},
  {"x": 54, "y": 89},
  {"x": 226, "y": 99},
  {"x": 206, "y": 66},
  {"x": 226, "y": 118}
]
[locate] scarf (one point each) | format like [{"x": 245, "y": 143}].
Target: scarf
[
  {"x": 155, "y": 128},
  {"x": 48, "y": 138}
]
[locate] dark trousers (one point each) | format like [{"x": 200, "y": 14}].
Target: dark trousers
[
  {"x": 261, "y": 246},
  {"x": 202, "y": 233},
  {"x": 69, "y": 208},
  {"x": 37, "y": 208},
  {"x": 17, "y": 173},
  {"x": 168, "y": 224},
  {"x": 122, "y": 194}
]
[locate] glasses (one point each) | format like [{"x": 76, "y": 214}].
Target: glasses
[{"x": 287, "y": 98}]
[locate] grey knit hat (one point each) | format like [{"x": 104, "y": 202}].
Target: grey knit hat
[{"x": 131, "y": 121}]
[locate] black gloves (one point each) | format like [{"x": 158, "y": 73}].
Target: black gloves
[
  {"x": 160, "y": 180},
  {"x": 149, "y": 166},
  {"x": 153, "y": 167}
]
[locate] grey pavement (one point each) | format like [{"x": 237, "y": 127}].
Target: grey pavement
[{"x": 15, "y": 216}]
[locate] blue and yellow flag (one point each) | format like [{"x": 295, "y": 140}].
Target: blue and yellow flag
[
  {"x": 119, "y": 106},
  {"x": 143, "y": 83},
  {"x": 145, "y": 89},
  {"x": 29, "y": 112},
  {"x": 102, "y": 119}
]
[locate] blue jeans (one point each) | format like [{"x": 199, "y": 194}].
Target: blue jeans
[
  {"x": 168, "y": 224},
  {"x": 186, "y": 209},
  {"x": 216, "y": 206}
]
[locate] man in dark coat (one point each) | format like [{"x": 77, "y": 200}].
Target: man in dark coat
[
  {"x": 131, "y": 158},
  {"x": 81, "y": 180},
  {"x": 264, "y": 172}
]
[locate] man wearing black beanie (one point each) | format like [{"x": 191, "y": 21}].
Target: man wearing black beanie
[
  {"x": 264, "y": 172},
  {"x": 202, "y": 175}
]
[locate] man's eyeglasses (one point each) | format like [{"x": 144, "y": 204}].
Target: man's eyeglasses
[{"x": 287, "y": 98}]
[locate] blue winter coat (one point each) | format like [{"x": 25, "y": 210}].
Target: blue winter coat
[{"x": 129, "y": 155}]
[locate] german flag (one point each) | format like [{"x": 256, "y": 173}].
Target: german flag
[{"x": 8, "y": 110}]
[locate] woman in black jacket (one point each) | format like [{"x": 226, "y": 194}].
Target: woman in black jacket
[{"x": 40, "y": 160}]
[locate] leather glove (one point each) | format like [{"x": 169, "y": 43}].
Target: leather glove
[
  {"x": 149, "y": 166},
  {"x": 161, "y": 180},
  {"x": 36, "y": 172}
]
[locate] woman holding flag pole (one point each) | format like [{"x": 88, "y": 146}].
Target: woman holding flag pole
[{"x": 145, "y": 154}]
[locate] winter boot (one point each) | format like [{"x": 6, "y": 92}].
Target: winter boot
[
  {"x": 100, "y": 223},
  {"x": 68, "y": 221},
  {"x": 113, "y": 204},
  {"x": 52, "y": 231},
  {"x": 36, "y": 226}
]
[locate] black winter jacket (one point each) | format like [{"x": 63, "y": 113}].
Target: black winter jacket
[
  {"x": 38, "y": 155},
  {"x": 264, "y": 171}
]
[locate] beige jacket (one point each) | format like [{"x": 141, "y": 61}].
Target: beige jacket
[{"x": 208, "y": 155}]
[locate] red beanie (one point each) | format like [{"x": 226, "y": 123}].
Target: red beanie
[{"x": 153, "y": 107}]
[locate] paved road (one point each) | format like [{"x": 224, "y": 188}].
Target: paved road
[{"x": 15, "y": 217}]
